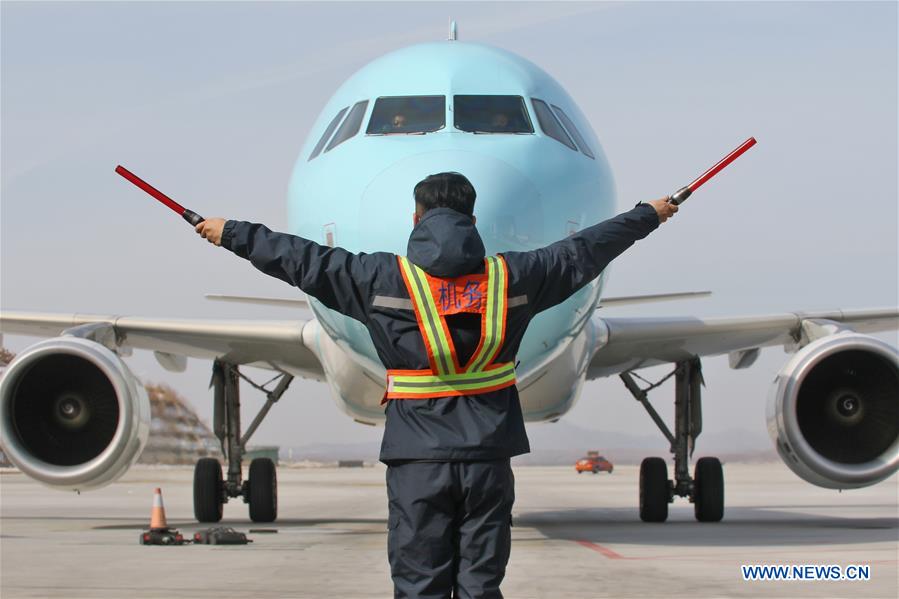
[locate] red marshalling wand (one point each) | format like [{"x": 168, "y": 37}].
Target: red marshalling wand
[
  {"x": 684, "y": 192},
  {"x": 189, "y": 215}
]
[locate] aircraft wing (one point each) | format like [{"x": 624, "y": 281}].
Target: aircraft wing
[
  {"x": 273, "y": 344},
  {"x": 631, "y": 343}
]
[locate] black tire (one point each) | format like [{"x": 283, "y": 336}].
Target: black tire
[
  {"x": 208, "y": 487},
  {"x": 610, "y": 469},
  {"x": 263, "y": 483},
  {"x": 654, "y": 494},
  {"x": 708, "y": 490}
]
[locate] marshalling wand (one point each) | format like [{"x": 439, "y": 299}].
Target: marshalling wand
[
  {"x": 683, "y": 193},
  {"x": 189, "y": 215}
]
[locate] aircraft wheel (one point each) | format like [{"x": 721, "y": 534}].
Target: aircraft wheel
[
  {"x": 208, "y": 488},
  {"x": 263, "y": 483},
  {"x": 653, "y": 490},
  {"x": 708, "y": 490}
]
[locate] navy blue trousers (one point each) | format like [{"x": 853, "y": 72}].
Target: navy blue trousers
[{"x": 449, "y": 527}]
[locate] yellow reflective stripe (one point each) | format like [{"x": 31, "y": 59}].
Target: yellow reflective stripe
[
  {"x": 444, "y": 348},
  {"x": 466, "y": 381},
  {"x": 478, "y": 362},
  {"x": 427, "y": 379},
  {"x": 424, "y": 304},
  {"x": 496, "y": 308},
  {"x": 420, "y": 308},
  {"x": 452, "y": 389},
  {"x": 501, "y": 286}
]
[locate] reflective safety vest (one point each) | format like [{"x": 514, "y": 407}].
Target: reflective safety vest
[{"x": 433, "y": 299}]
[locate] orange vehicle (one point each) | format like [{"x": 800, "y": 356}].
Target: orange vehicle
[{"x": 593, "y": 462}]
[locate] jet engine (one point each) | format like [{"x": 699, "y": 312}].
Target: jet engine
[
  {"x": 833, "y": 411},
  {"x": 72, "y": 415}
]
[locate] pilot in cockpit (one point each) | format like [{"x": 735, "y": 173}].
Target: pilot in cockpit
[
  {"x": 500, "y": 122},
  {"x": 396, "y": 125}
]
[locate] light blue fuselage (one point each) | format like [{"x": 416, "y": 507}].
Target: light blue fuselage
[{"x": 531, "y": 189}]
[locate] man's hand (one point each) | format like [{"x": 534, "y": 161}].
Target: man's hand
[
  {"x": 211, "y": 230},
  {"x": 663, "y": 209}
]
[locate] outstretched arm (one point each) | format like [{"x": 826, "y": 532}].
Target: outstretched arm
[
  {"x": 341, "y": 280},
  {"x": 557, "y": 271}
]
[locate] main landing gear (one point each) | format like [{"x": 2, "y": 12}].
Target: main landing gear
[
  {"x": 706, "y": 488},
  {"x": 260, "y": 490}
]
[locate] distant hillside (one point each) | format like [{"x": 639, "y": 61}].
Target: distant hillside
[{"x": 563, "y": 443}]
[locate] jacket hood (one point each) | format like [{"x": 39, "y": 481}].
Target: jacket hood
[{"x": 445, "y": 243}]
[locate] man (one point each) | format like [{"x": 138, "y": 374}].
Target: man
[
  {"x": 446, "y": 321},
  {"x": 499, "y": 123}
]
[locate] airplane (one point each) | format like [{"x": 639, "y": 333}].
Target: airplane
[{"x": 73, "y": 416}]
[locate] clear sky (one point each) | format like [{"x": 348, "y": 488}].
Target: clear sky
[{"x": 211, "y": 101}]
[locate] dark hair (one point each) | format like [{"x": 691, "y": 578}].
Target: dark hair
[{"x": 446, "y": 190}]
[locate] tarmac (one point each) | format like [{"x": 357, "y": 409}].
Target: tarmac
[{"x": 575, "y": 536}]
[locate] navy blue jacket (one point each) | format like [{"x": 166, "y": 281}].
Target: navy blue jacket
[{"x": 445, "y": 243}]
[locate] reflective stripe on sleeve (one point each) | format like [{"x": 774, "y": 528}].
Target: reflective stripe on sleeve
[
  {"x": 512, "y": 302},
  {"x": 395, "y": 303}
]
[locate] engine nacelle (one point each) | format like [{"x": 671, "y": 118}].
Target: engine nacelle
[
  {"x": 833, "y": 411},
  {"x": 72, "y": 415}
]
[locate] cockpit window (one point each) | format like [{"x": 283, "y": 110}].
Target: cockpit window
[
  {"x": 350, "y": 126},
  {"x": 550, "y": 124},
  {"x": 578, "y": 138},
  {"x": 491, "y": 114},
  {"x": 327, "y": 134},
  {"x": 407, "y": 114}
]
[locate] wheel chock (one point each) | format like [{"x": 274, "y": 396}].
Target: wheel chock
[{"x": 220, "y": 535}]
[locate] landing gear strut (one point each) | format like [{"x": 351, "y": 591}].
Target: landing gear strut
[
  {"x": 260, "y": 490},
  {"x": 706, "y": 488}
]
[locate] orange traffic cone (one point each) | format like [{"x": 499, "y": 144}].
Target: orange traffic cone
[{"x": 157, "y": 514}]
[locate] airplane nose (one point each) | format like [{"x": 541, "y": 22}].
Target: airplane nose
[{"x": 508, "y": 208}]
